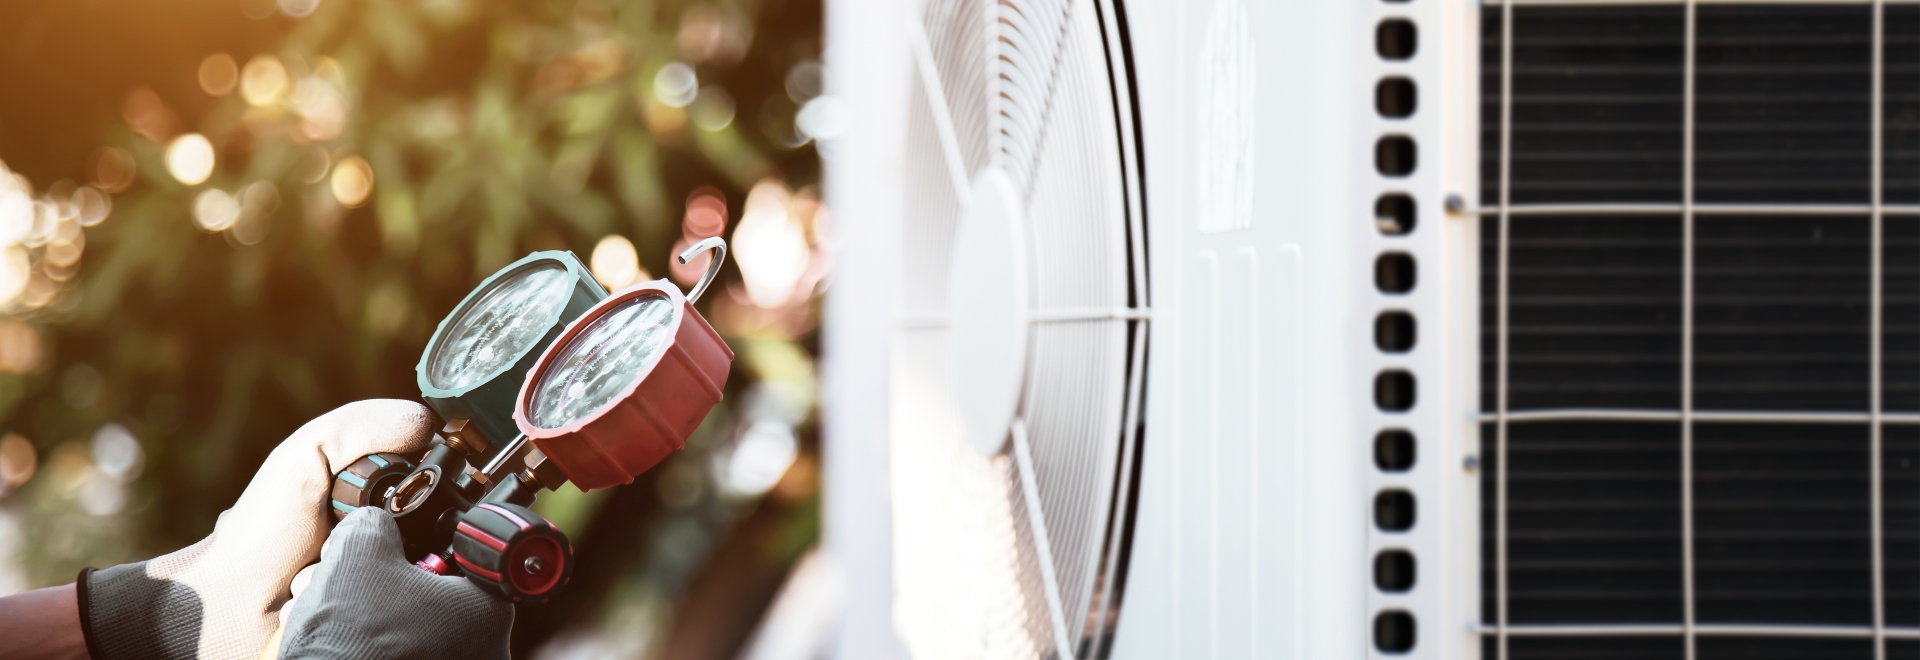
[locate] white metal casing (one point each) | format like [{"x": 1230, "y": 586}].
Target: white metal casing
[
  {"x": 1255, "y": 536},
  {"x": 1254, "y": 532}
]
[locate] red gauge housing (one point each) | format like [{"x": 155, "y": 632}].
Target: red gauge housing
[{"x": 652, "y": 416}]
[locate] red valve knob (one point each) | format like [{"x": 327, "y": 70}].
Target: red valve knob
[{"x": 512, "y": 551}]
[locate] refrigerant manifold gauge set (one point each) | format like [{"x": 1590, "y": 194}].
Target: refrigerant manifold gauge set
[{"x": 542, "y": 377}]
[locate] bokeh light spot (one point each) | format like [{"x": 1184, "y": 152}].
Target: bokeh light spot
[
  {"x": 94, "y": 205},
  {"x": 352, "y": 181},
  {"x": 257, "y": 206},
  {"x": 190, "y": 159},
  {"x": 713, "y": 109},
  {"x": 69, "y": 464},
  {"x": 17, "y": 462},
  {"x": 20, "y": 349},
  {"x": 675, "y": 85},
  {"x": 15, "y": 269},
  {"x": 807, "y": 79},
  {"x": 257, "y": 9},
  {"x": 322, "y": 108},
  {"x": 264, "y": 80},
  {"x": 823, "y": 118},
  {"x": 46, "y": 219},
  {"x": 662, "y": 119},
  {"x": 42, "y": 287},
  {"x": 616, "y": 263},
  {"x": 101, "y": 495},
  {"x": 706, "y": 214},
  {"x": 215, "y": 210},
  {"x": 298, "y": 8},
  {"x": 219, "y": 74},
  {"x": 313, "y": 164},
  {"x": 113, "y": 169},
  {"x": 709, "y": 33},
  {"x": 600, "y": 60},
  {"x": 117, "y": 453},
  {"x": 16, "y": 215},
  {"x": 60, "y": 195},
  {"x": 772, "y": 246},
  {"x": 64, "y": 250},
  {"x": 701, "y": 31},
  {"x": 763, "y": 454},
  {"x": 148, "y": 115}
]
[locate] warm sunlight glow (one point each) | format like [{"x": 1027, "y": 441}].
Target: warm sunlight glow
[
  {"x": 322, "y": 108},
  {"x": 148, "y": 115},
  {"x": 113, "y": 169},
  {"x": 675, "y": 85},
  {"x": 218, "y": 74},
  {"x": 94, "y": 205},
  {"x": 772, "y": 246},
  {"x": 16, "y": 212},
  {"x": 352, "y": 181},
  {"x": 616, "y": 264},
  {"x": 190, "y": 159},
  {"x": 215, "y": 210},
  {"x": 17, "y": 462},
  {"x": 19, "y": 347},
  {"x": 264, "y": 80},
  {"x": 15, "y": 269}
]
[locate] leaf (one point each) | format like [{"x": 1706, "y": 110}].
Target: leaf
[{"x": 636, "y": 167}]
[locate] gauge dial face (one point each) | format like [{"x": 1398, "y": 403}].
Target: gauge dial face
[
  {"x": 501, "y": 327},
  {"x": 601, "y": 361}
]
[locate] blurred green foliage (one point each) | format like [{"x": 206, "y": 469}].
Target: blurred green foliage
[{"x": 492, "y": 129}]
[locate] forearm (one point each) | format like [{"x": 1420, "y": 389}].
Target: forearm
[{"x": 43, "y": 624}]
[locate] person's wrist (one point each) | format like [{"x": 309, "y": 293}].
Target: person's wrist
[{"x": 44, "y": 624}]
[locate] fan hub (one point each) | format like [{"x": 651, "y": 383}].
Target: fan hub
[{"x": 987, "y": 298}]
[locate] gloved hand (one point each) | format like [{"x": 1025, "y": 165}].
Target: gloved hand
[
  {"x": 220, "y": 598},
  {"x": 366, "y": 601}
]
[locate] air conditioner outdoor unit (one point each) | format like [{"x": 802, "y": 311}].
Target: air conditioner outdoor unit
[{"x": 1426, "y": 329}]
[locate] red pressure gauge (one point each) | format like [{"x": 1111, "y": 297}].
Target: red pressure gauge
[
  {"x": 626, "y": 382},
  {"x": 613, "y": 392}
]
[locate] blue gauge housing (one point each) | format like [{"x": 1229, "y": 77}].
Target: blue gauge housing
[{"x": 528, "y": 314}]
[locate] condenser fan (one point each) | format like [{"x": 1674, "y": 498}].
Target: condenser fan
[{"x": 1017, "y": 382}]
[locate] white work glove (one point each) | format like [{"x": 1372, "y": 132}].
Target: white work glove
[{"x": 220, "y": 598}]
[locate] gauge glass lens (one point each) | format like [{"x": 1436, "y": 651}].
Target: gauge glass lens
[
  {"x": 500, "y": 327},
  {"x": 601, "y": 361}
]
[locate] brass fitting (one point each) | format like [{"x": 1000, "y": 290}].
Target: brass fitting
[
  {"x": 463, "y": 435},
  {"x": 540, "y": 472}
]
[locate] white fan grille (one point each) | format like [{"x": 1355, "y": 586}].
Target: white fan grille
[
  {"x": 1027, "y": 49},
  {"x": 957, "y": 33},
  {"x": 934, "y": 208},
  {"x": 1077, "y": 375},
  {"x": 1021, "y": 85}
]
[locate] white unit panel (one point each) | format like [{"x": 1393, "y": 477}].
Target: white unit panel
[
  {"x": 1251, "y": 536},
  {"x": 868, "y": 61}
]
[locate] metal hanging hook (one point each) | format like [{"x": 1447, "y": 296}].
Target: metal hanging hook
[{"x": 713, "y": 268}]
